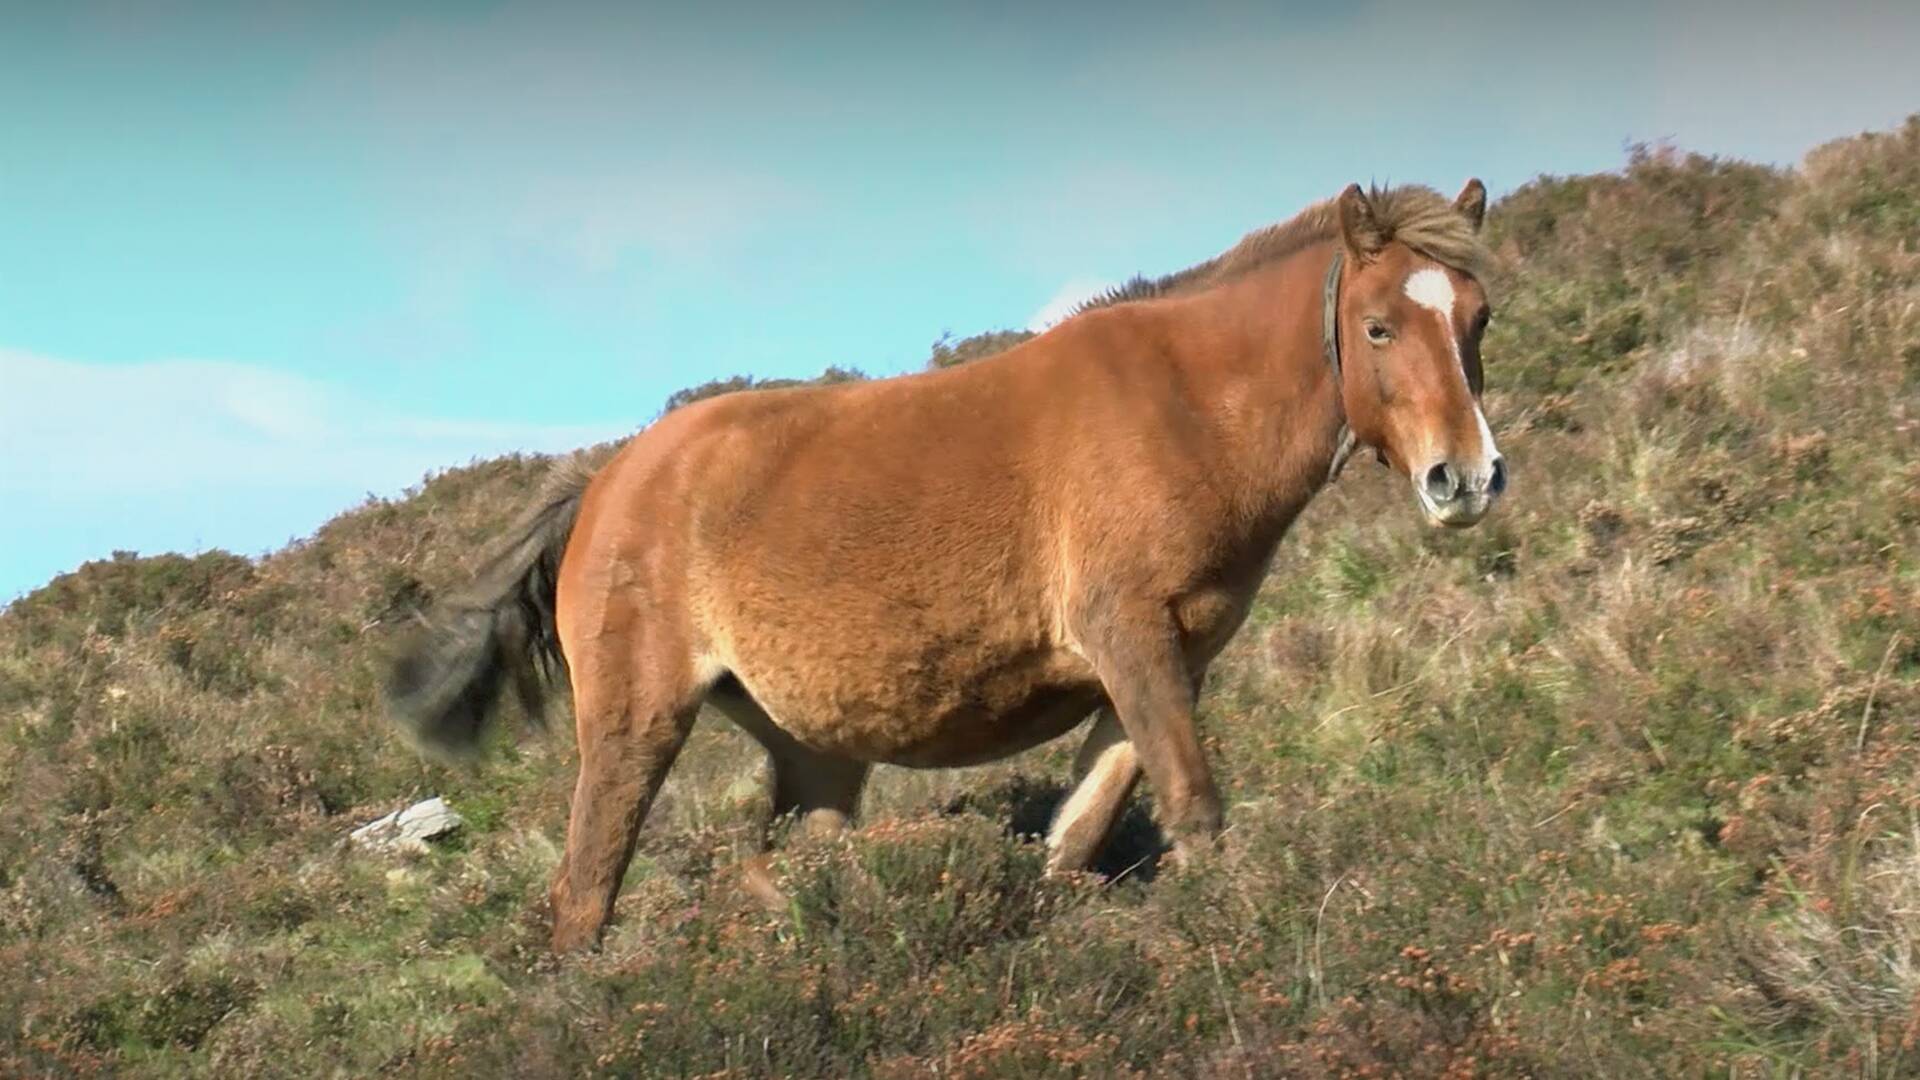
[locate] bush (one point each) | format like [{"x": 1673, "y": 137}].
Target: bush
[
  {"x": 1621, "y": 783},
  {"x": 948, "y": 352}
]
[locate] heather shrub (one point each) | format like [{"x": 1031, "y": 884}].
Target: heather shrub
[
  {"x": 1624, "y": 782},
  {"x": 948, "y": 352},
  {"x": 733, "y": 384}
]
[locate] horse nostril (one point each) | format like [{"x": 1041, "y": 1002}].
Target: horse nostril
[
  {"x": 1498, "y": 482},
  {"x": 1440, "y": 483}
]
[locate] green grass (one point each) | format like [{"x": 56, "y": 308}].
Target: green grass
[{"x": 1626, "y": 782}]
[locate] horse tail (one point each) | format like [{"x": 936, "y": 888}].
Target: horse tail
[{"x": 445, "y": 682}]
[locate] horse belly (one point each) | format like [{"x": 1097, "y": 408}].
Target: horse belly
[{"x": 926, "y": 711}]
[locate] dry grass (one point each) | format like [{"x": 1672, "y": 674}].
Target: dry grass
[{"x": 1623, "y": 783}]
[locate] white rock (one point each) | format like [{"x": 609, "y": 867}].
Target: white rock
[{"x": 410, "y": 829}]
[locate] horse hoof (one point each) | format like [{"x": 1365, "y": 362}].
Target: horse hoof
[{"x": 754, "y": 876}]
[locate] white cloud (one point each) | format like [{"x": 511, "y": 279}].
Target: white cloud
[
  {"x": 178, "y": 425},
  {"x": 191, "y": 454},
  {"x": 1069, "y": 296}
]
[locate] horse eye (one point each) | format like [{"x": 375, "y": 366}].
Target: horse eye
[{"x": 1377, "y": 333}]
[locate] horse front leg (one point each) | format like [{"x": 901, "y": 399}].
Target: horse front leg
[
  {"x": 1105, "y": 773},
  {"x": 1152, "y": 689}
]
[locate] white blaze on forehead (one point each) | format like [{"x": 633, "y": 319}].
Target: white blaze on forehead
[{"x": 1432, "y": 288}]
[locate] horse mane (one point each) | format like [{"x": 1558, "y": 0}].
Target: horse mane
[{"x": 1411, "y": 214}]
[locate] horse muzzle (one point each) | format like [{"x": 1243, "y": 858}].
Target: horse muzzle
[{"x": 1458, "y": 495}]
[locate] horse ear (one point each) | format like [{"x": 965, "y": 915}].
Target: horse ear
[
  {"x": 1472, "y": 203},
  {"x": 1358, "y": 226}
]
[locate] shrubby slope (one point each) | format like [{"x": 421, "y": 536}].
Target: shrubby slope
[{"x": 1625, "y": 782}]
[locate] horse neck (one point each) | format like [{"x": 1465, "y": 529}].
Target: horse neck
[{"x": 1257, "y": 358}]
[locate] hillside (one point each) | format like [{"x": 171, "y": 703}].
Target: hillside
[{"x": 1625, "y": 782}]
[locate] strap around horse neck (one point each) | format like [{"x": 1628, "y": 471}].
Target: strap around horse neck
[
  {"x": 1330, "y": 342},
  {"x": 1330, "y": 312}
]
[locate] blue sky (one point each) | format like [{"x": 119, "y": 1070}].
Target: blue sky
[{"x": 258, "y": 261}]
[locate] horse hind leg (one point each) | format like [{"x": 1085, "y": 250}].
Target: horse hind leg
[
  {"x": 633, "y": 714},
  {"x": 821, "y": 791}
]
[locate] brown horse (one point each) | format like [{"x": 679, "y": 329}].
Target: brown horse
[{"x": 950, "y": 567}]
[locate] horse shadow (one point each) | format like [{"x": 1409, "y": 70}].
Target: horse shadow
[{"x": 1026, "y": 807}]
